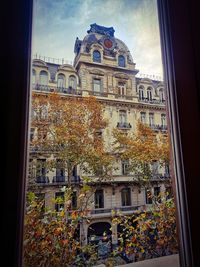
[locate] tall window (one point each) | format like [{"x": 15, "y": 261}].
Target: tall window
[
  {"x": 141, "y": 92},
  {"x": 157, "y": 193},
  {"x": 34, "y": 76},
  {"x": 60, "y": 171},
  {"x": 125, "y": 167},
  {"x": 72, "y": 82},
  {"x": 41, "y": 171},
  {"x": 122, "y": 88},
  {"x": 155, "y": 166},
  {"x": 126, "y": 197},
  {"x": 41, "y": 168},
  {"x": 96, "y": 56},
  {"x": 59, "y": 197},
  {"x": 43, "y": 77},
  {"x": 74, "y": 200},
  {"x": 151, "y": 119},
  {"x": 122, "y": 117},
  {"x": 163, "y": 120},
  {"x": 97, "y": 85},
  {"x": 161, "y": 95},
  {"x": 61, "y": 81},
  {"x": 121, "y": 61},
  {"x": 99, "y": 199},
  {"x": 149, "y": 93},
  {"x": 148, "y": 195},
  {"x": 143, "y": 117}
]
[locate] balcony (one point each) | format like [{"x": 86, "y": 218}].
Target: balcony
[
  {"x": 160, "y": 177},
  {"x": 100, "y": 211},
  {"x": 42, "y": 180},
  {"x": 124, "y": 125},
  {"x": 158, "y": 127},
  {"x": 47, "y": 88},
  {"x": 151, "y": 101},
  {"x": 58, "y": 179},
  {"x": 76, "y": 179},
  {"x": 116, "y": 209}
]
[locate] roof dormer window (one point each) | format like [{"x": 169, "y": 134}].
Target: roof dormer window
[
  {"x": 121, "y": 61},
  {"x": 96, "y": 56}
]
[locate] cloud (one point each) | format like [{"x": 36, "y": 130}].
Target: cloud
[{"x": 57, "y": 23}]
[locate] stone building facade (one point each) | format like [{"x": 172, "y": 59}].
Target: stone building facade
[{"x": 103, "y": 67}]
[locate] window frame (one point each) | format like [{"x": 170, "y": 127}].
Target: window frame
[{"x": 180, "y": 47}]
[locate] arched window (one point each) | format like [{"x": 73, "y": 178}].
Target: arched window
[
  {"x": 151, "y": 119},
  {"x": 72, "y": 82},
  {"x": 96, "y": 56},
  {"x": 149, "y": 93},
  {"x": 34, "y": 76},
  {"x": 121, "y": 61},
  {"x": 126, "y": 197},
  {"x": 61, "y": 81},
  {"x": 141, "y": 92},
  {"x": 161, "y": 95},
  {"x": 43, "y": 77}
]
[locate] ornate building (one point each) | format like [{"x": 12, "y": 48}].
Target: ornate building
[{"x": 104, "y": 67}]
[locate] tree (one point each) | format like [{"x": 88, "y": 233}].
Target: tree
[
  {"x": 51, "y": 238},
  {"x": 148, "y": 234},
  {"x": 141, "y": 149},
  {"x": 70, "y": 129}
]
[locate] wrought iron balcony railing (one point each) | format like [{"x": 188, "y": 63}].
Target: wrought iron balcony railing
[
  {"x": 152, "y": 101},
  {"x": 124, "y": 125},
  {"x": 42, "y": 179},
  {"x": 158, "y": 127},
  {"x": 59, "y": 179},
  {"x": 47, "y": 88}
]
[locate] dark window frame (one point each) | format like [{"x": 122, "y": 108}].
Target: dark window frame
[{"x": 180, "y": 47}]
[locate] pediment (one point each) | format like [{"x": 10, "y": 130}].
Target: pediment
[
  {"x": 39, "y": 62},
  {"x": 97, "y": 72},
  {"x": 121, "y": 76}
]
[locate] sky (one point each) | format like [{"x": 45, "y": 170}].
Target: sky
[{"x": 57, "y": 23}]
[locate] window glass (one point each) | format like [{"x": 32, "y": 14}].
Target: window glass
[
  {"x": 126, "y": 197},
  {"x": 43, "y": 78},
  {"x": 72, "y": 82},
  {"x": 61, "y": 81},
  {"x": 121, "y": 61},
  {"x": 97, "y": 85},
  {"x": 96, "y": 56},
  {"x": 99, "y": 199}
]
